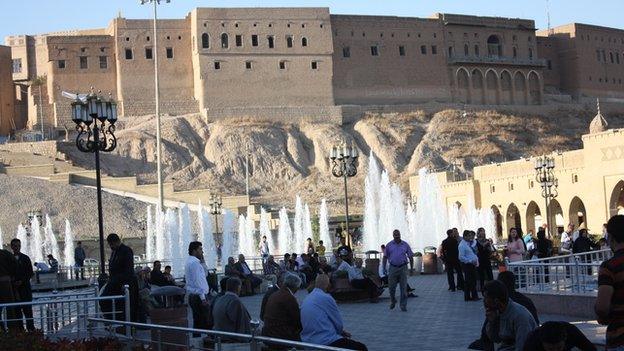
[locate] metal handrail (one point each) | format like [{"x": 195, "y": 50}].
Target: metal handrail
[
  {"x": 47, "y": 302},
  {"x": 248, "y": 337},
  {"x": 605, "y": 251}
]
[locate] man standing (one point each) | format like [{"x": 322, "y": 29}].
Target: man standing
[
  {"x": 8, "y": 269},
  {"x": 264, "y": 249},
  {"x": 79, "y": 258},
  {"x": 197, "y": 286},
  {"x": 398, "y": 253},
  {"x": 22, "y": 284},
  {"x": 450, "y": 256},
  {"x": 508, "y": 323},
  {"x": 321, "y": 320},
  {"x": 320, "y": 249},
  {"x": 469, "y": 262},
  {"x": 567, "y": 240},
  {"x": 229, "y": 313},
  {"x": 121, "y": 271},
  {"x": 610, "y": 300}
]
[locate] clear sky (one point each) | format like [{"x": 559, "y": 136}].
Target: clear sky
[{"x": 41, "y": 16}]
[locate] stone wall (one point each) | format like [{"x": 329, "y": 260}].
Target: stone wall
[
  {"x": 279, "y": 114},
  {"x": 45, "y": 148},
  {"x": 7, "y": 92}
]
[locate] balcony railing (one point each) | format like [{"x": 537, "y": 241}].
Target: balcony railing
[{"x": 497, "y": 60}]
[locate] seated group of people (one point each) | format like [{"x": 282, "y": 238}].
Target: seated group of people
[
  {"x": 241, "y": 270},
  {"x": 512, "y": 323}
]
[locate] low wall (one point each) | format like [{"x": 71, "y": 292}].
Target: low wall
[
  {"x": 567, "y": 305},
  {"x": 29, "y": 171},
  {"x": 45, "y": 148},
  {"x": 283, "y": 114}
]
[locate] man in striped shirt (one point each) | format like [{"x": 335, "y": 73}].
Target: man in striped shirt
[{"x": 610, "y": 300}]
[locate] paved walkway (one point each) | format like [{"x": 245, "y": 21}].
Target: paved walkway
[{"x": 436, "y": 320}]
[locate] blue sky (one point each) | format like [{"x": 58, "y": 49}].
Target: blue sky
[{"x": 41, "y": 16}]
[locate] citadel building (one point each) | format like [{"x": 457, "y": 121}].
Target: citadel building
[{"x": 292, "y": 63}]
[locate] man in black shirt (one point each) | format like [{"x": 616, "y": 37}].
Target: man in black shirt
[
  {"x": 22, "y": 283},
  {"x": 344, "y": 251},
  {"x": 450, "y": 256},
  {"x": 557, "y": 336},
  {"x": 157, "y": 277},
  {"x": 8, "y": 268},
  {"x": 121, "y": 271}
]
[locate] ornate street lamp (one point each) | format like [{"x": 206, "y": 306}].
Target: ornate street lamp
[
  {"x": 95, "y": 120},
  {"x": 344, "y": 160},
  {"x": 216, "y": 202},
  {"x": 545, "y": 176}
]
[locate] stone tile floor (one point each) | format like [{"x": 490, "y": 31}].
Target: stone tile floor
[{"x": 436, "y": 320}]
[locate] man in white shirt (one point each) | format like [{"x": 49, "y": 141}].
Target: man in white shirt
[
  {"x": 264, "y": 249},
  {"x": 197, "y": 286},
  {"x": 469, "y": 263}
]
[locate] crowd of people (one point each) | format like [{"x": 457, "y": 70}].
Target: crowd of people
[{"x": 511, "y": 319}]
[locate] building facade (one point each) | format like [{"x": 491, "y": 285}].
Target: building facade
[
  {"x": 7, "y": 92},
  {"x": 590, "y": 186},
  {"x": 287, "y": 63}
]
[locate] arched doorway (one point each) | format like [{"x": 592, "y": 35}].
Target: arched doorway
[
  {"x": 498, "y": 220},
  {"x": 617, "y": 199},
  {"x": 535, "y": 93},
  {"x": 495, "y": 46},
  {"x": 577, "y": 213},
  {"x": 533, "y": 217},
  {"x": 478, "y": 90},
  {"x": 520, "y": 96},
  {"x": 513, "y": 218},
  {"x": 463, "y": 83},
  {"x": 556, "y": 216},
  {"x": 507, "y": 98},
  {"x": 491, "y": 85}
]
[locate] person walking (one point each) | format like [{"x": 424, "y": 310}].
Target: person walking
[
  {"x": 21, "y": 284},
  {"x": 79, "y": 258},
  {"x": 450, "y": 257},
  {"x": 484, "y": 252},
  {"x": 398, "y": 253},
  {"x": 197, "y": 286},
  {"x": 469, "y": 263}
]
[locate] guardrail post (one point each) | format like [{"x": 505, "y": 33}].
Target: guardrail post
[
  {"x": 253, "y": 345},
  {"x": 127, "y": 308},
  {"x": 577, "y": 276}
]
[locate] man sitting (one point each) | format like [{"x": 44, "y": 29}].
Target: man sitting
[
  {"x": 53, "y": 262},
  {"x": 245, "y": 272},
  {"x": 557, "y": 336},
  {"x": 272, "y": 270},
  {"x": 508, "y": 323},
  {"x": 168, "y": 275},
  {"x": 228, "y": 311},
  {"x": 357, "y": 279},
  {"x": 282, "y": 318},
  {"x": 321, "y": 320},
  {"x": 157, "y": 277}
]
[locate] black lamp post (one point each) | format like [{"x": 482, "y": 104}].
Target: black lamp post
[
  {"x": 216, "y": 202},
  {"x": 95, "y": 122},
  {"x": 545, "y": 176},
  {"x": 344, "y": 165}
]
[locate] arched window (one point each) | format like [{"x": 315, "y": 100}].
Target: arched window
[
  {"x": 530, "y": 54},
  {"x": 515, "y": 52},
  {"x": 224, "y": 41},
  {"x": 450, "y": 51},
  {"x": 205, "y": 41},
  {"x": 476, "y": 48},
  {"x": 465, "y": 49},
  {"x": 289, "y": 41},
  {"x": 304, "y": 41},
  {"x": 495, "y": 47}
]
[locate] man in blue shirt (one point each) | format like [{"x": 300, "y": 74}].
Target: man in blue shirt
[
  {"x": 469, "y": 263},
  {"x": 321, "y": 319}
]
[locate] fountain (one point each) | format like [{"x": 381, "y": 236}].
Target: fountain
[
  {"x": 159, "y": 233},
  {"x": 324, "y": 226},
  {"x": 171, "y": 240},
  {"x": 284, "y": 233},
  {"x": 307, "y": 226},
  {"x": 229, "y": 244},
  {"x": 25, "y": 240},
  {"x": 249, "y": 249},
  {"x": 36, "y": 246},
  {"x": 149, "y": 236},
  {"x": 1, "y": 239},
  {"x": 298, "y": 225},
  {"x": 184, "y": 237},
  {"x": 371, "y": 202},
  {"x": 50, "y": 245},
  {"x": 265, "y": 229},
  {"x": 68, "y": 249}
]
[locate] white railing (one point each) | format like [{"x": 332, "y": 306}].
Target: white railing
[
  {"x": 163, "y": 336},
  {"x": 61, "y": 314},
  {"x": 569, "y": 274}
]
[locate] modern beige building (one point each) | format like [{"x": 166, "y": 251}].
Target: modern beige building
[
  {"x": 292, "y": 63},
  {"x": 590, "y": 185}
]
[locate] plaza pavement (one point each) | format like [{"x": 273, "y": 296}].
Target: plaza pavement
[{"x": 436, "y": 320}]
